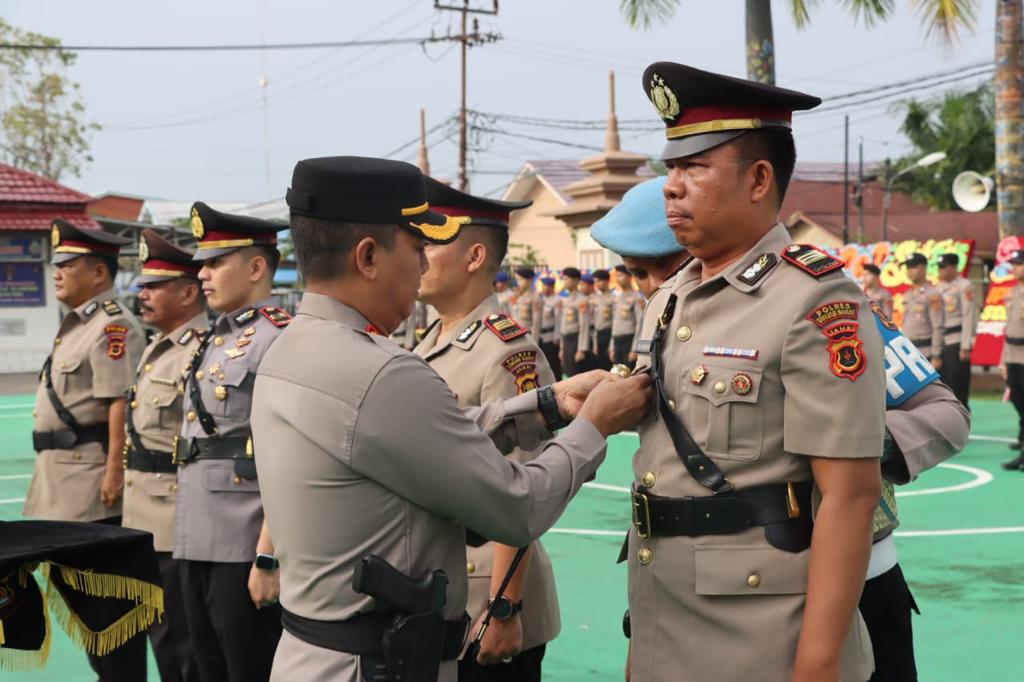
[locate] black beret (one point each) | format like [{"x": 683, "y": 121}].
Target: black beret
[
  {"x": 872, "y": 268},
  {"x": 702, "y": 110},
  {"x": 359, "y": 189},
  {"x": 571, "y": 272},
  {"x": 1017, "y": 257},
  {"x": 525, "y": 272},
  {"x": 948, "y": 259},
  {"x": 622, "y": 268},
  {"x": 915, "y": 259},
  {"x": 602, "y": 274}
]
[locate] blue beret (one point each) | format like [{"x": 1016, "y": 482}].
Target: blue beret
[
  {"x": 502, "y": 276},
  {"x": 548, "y": 281},
  {"x": 589, "y": 279},
  {"x": 637, "y": 225}
]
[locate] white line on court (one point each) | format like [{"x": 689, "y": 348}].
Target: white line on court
[
  {"x": 12, "y": 500},
  {"x": 19, "y": 406},
  {"x": 992, "y": 439},
  {"x": 16, "y": 416},
  {"x": 902, "y": 534},
  {"x": 13, "y": 477}
]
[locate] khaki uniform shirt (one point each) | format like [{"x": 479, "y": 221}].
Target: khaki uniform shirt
[
  {"x": 551, "y": 310},
  {"x": 481, "y": 368},
  {"x": 576, "y": 318},
  {"x": 526, "y": 310},
  {"x": 94, "y": 355},
  {"x": 629, "y": 310},
  {"x": 1014, "y": 326},
  {"x": 923, "y": 321},
  {"x": 882, "y": 297},
  {"x": 759, "y": 385},
  {"x": 603, "y": 305},
  {"x": 505, "y": 300},
  {"x": 406, "y": 334},
  {"x": 156, "y": 414},
  {"x": 219, "y": 514},
  {"x": 365, "y": 450},
  {"x": 961, "y": 310}
]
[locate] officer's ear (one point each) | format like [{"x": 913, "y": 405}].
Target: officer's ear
[
  {"x": 476, "y": 257},
  {"x": 762, "y": 181},
  {"x": 367, "y": 258}
]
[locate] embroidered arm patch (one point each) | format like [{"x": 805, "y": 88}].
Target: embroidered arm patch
[
  {"x": 116, "y": 336},
  {"x": 523, "y": 367}
]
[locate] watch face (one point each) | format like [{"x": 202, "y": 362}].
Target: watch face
[{"x": 503, "y": 609}]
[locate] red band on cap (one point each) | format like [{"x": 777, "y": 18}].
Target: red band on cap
[
  {"x": 458, "y": 211},
  {"x": 157, "y": 264},
  {"x": 257, "y": 238},
  {"x": 94, "y": 247},
  {"x": 705, "y": 114}
]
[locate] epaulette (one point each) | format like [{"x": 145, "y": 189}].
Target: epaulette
[
  {"x": 277, "y": 317},
  {"x": 111, "y": 308},
  {"x": 811, "y": 259},
  {"x": 504, "y": 327}
]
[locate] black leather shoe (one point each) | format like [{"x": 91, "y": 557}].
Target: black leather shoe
[
  {"x": 1015, "y": 463},
  {"x": 1015, "y": 446}
]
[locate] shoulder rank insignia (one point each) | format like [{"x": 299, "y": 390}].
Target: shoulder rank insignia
[
  {"x": 245, "y": 316},
  {"x": 90, "y": 309},
  {"x": 468, "y": 331},
  {"x": 811, "y": 259},
  {"x": 504, "y": 327},
  {"x": 277, "y": 317},
  {"x": 753, "y": 273},
  {"x": 111, "y": 307}
]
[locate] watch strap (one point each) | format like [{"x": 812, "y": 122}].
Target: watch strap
[{"x": 548, "y": 406}]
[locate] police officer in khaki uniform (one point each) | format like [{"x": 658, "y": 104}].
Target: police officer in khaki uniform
[
  {"x": 484, "y": 357},
  {"x": 923, "y": 318},
  {"x": 626, "y": 316},
  {"x": 368, "y": 452},
  {"x": 603, "y": 304},
  {"x": 503, "y": 292},
  {"x": 550, "y": 310},
  {"x": 961, "y": 318},
  {"x": 78, "y": 433},
  {"x": 171, "y": 301},
  {"x": 769, "y": 382},
  {"x": 526, "y": 306},
  {"x": 573, "y": 324},
  {"x": 1012, "y": 363},
  {"x": 228, "y": 566},
  {"x": 873, "y": 289}
]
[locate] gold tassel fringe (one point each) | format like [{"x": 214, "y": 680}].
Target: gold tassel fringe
[{"x": 21, "y": 660}]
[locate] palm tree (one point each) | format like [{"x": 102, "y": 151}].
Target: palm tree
[
  {"x": 1009, "y": 120},
  {"x": 941, "y": 16}
]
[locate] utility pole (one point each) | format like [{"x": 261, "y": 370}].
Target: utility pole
[
  {"x": 846, "y": 181},
  {"x": 860, "y": 193},
  {"x": 468, "y": 40}
]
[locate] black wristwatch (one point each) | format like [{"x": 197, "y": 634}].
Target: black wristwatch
[
  {"x": 267, "y": 562},
  {"x": 504, "y": 608},
  {"x": 548, "y": 406}
]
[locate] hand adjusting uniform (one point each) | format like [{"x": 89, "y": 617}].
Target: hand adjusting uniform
[{"x": 152, "y": 422}]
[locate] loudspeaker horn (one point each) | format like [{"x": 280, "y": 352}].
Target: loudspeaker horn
[{"x": 971, "y": 191}]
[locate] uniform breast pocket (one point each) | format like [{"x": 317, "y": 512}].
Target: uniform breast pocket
[
  {"x": 70, "y": 376},
  {"x": 724, "y": 409},
  {"x": 232, "y": 394},
  {"x": 222, "y": 479},
  {"x": 164, "y": 489},
  {"x": 158, "y": 409}
]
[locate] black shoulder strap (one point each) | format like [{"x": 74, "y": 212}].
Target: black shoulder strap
[
  {"x": 62, "y": 412},
  {"x": 129, "y": 423},
  {"x": 701, "y": 467},
  {"x": 205, "y": 418}
]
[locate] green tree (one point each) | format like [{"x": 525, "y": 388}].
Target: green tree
[
  {"x": 962, "y": 124},
  {"x": 940, "y": 16},
  {"x": 43, "y": 126}
]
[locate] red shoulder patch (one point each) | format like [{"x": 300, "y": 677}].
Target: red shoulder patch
[
  {"x": 504, "y": 327},
  {"x": 523, "y": 367},
  {"x": 811, "y": 259},
  {"x": 116, "y": 334},
  {"x": 277, "y": 317}
]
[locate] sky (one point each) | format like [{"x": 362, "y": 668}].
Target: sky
[{"x": 199, "y": 126}]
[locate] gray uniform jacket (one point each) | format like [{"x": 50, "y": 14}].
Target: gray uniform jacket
[
  {"x": 629, "y": 310},
  {"x": 550, "y": 330},
  {"x": 961, "y": 310},
  {"x": 603, "y": 305},
  {"x": 219, "y": 514},
  {"x": 366, "y": 450}
]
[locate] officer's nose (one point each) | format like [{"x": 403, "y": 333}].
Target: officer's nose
[{"x": 674, "y": 188}]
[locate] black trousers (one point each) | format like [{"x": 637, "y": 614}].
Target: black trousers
[
  {"x": 127, "y": 663},
  {"x": 622, "y": 346},
  {"x": 550, "y": 350},
  {"x": 956, "y": 373},
  {"x": 1015, "y": 380},
  {"x": 570, "y": 342},
  {"x": 602, "y": 339},
  {"x": 172, "y": 647},
  {"x": 232, "y": 640},
  {"x": 885, "y": 605},
  {"x": 526, "y": 667}
]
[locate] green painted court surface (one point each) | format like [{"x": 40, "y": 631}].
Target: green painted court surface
[{"x": 961, "y": 546}]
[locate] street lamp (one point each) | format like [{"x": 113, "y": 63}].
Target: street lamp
[{"x": 926, "y": 160}]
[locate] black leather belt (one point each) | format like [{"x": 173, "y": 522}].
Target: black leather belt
[
  {"x": 362, "y": 635},
  {"x": 921, "y": 343},
  {"x": 66, "y": 439},
  {"x": 188, "y": 449},
  {"x": 721, "y": 514},
  {"x": 954, "y": 330},
  {"x": 150, "y": 461},
  {"x": 545, "y": 330},
  {"x": 1019, "y": 341}
]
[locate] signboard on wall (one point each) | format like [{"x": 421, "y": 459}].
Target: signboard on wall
[{"x": 22, "y": 285}]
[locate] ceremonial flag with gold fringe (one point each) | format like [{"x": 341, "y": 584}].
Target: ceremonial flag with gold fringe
[{"x": 102, "y": 585}]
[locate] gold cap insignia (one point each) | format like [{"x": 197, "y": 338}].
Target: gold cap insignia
[
  {"x": 664, "y": 100},
  {"x": 143, "y": 250},
  {"x": 55, "y": 235},
  {"x": 197, "y": 224}
]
